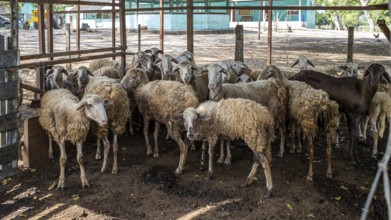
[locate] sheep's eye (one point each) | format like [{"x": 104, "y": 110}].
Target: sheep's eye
[{"x": 90, "y": 106}]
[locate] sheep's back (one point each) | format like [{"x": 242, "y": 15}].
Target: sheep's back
[{"x": 164, "y": 99}]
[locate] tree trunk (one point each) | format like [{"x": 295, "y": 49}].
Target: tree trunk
[
  {"x": 337, "y": 21},
  {"x": 368, "y": 16}
]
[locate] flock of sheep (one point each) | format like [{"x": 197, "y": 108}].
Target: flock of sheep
[{"x": 220, "y": 102}]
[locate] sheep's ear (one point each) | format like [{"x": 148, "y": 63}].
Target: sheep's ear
[
  {"x": 147, "y": 51},
  {"x": 174, "y": 60},
  {"x": 80, "y": 105},
  {"x": 310, "y": 63},
  {"x": 342, "y": 67},
  {"x": 175, "y": 71},
  {"x": 160, "y": 51},
  {"x": 49, "y": 71},
  {"x": 295, "y": 63},
  {"x": 366, "y": 73},
  {"x": 202, "y": 72},
  {"x": 158, "y": 60},
  {"x": 204, "y": 118},
  {"x": 178, "y": 119},
  {"x": 89, "y": 72},
  {"x": 65, "y": 72},
  {"x": 108, "y": 102},
  {"x": 387, "y": 76}
]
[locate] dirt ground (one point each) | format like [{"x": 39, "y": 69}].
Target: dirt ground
[{"x": 146, "y": 188}]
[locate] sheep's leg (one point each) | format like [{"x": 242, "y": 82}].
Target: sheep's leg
[
  {"x": 382, "y": 124},
  {"x": 98, "y": 150},
  {"x": 63, "y": 161},
  {"x": 203, "y": 148},
  {"x": 156, "y": 136},
  {"x": 375, "y": 141},
  {"x": 146, "y": 125},
  {"x": 84, "y": 181},
  {"x": 293, "y": 139},
  {"x": 363, "y": 128},
  {"x": 192, "y": 146},
  {"x": 352, "y": 125},
  {"x": 106, "y": 144},
  {"x": 253, "y": 171},
  {"x": 211, "y": 154},
  {"x": 130, "y": 119},
  {"x": 299, "y": 145},
  {"x": 336, "y": 141},
  {"x": 311, "y": 154},
  {"x": 227, "y": 160},
  {"x": 183, "y": 147},
  {"x": 268, "y": 175},
  {"x": 50, "y": 147},
  {"x": 221, "y": 157},
  {"x": 167, "y": 135},
  {"x": 329, "y": 173},
  {"x": 282, "y": 141},
  {"x": 115, "y": 154}
]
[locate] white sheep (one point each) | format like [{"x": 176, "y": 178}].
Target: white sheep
[
  {"x": 234, "y": 118},
  {"x": 164, "y": 64},
  {"x": 68, "y": 119},
  {"x": 160, "y": 100},
  {"x": 270, "y": 93},
  {"x": 144, "y": 61},
  {"x": 117, "y": 113},
  {"x": 310, "y": 112}
]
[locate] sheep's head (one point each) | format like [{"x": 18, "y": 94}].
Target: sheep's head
[
  {"x": 133, "y": 78},
  {"x": 271, "y": 71},
  {"x": 216, "y": 73},
  {"x": 83, "y": 78},
  {"x": 164, "y": 63},
  {"x": 239, "y": 68},
  {"x": 303, "y": 62},
  {"x": 375, "y": 71},
  {"x": 154, "y": 53},
  {"x": 350, "y": 69},
  {"x": 94, "y": 107},
  {"x": 56, "y": 75},
  {"x": 244, "y": 78},
  {"x": 185, "y": 55},
  {"x": 186, "y": 71}
]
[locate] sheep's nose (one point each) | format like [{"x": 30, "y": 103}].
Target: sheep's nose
[
  {"x": 166, "y": 72},
  {"x": 104, "y": 122},
  {"x": 212, "y": 85},
  {"x": 190, "y": 134}
]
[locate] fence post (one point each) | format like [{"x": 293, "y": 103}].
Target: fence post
[
  {"x": 239, "y": 43},
  {"x": 9, "y": 115},
  {"x": 139, "y": 37},
  {"x": 350, "y": 44},
  {"x": 68, "y": 42}
]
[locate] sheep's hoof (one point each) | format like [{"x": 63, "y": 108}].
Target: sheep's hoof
[
  {"x": 337, "y": 146},
  {"x": 280, "y": 154},
  {"x": 178, "y": 171},
  {"x": 202, "y": 167},
  {"x": 192, "y": 148},
  {"x": 298, "y": 150},
  {"x": 61, "y": 184},
  {"x": 220, "y": 160},
  {"x": 246, "y": 183},
  {"x": 85, "y": 184},
  {"x": 114, "y": 171},
  {"x": 156, "y": 155},
  {"x": 149, "y": 153},
  {"x": 292, "y": 151},
  {"x": 103, "y": 170},
  {"x": 208, "y": 177},
  {"x": 309, "y": 178},
  {"x": 267, "y": 194},
  {"x": 374, "y": 156},
  {"x": 98, "y": 157},
  {"x": 227, "y": 161},
  {"x": 51, "y": 157},
  {"x": 329, "y": 175}
]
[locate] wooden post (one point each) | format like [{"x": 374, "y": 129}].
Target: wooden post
[
  {"x": 384, "y": 28},
  {"x": 68, "y": 42},
  {"x": 122, "y": 24},
  {"x": 139, "y": 37},
  {"x": 50, "y": 29},
  {"x": 190, "y": 34},
  {"x": 259, "y": 21},
  {"x": 162, "y": 26},
  {"x": 41, "y": 28},
  {"x": 113, "y": 28},
  {"x": 350, "y": 44},
  {"x": 14, "y": 24},
  {"x": 269, "y": 34},
  {"x": 239, "y": 43},
  {"x": 40, "y": 84}
]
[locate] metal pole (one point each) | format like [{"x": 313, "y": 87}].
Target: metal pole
[
  {"x": 190, "y": 34},
  {"x": 122, "y": 24},
  {"x": 50, "y": 28},
  {"x": 68, "y": 42},
  {"x": 78, "y": 28},
  {"x": 139, "y": 37},
  {"x": 269, "y": 35},
  {"x": 259, "y": 21},
  {"x": 161, "y": 26}
]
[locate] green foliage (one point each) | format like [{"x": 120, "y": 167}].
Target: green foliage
[{"x": 322, "y": 18}]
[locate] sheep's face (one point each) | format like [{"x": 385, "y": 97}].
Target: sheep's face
[
  {"x": 216, "y": 74},
  {"x": 244, "y": 78},
  {"x": 94, "y": 108},
  {"x": 270, "y": 71},
  {"x": 133, "y": 78},
  {"x": 58, "y": 72},
  {"x": 145, "y": 63},
  {"x": 238, "y": 67},
  {"x": 154, "y": 53},
  {"x": 190, "y": 116},
  {"x": 83, "y": 77},
  {"x": 185, "y": 70},
  {"x": 375, "y": 72},
  {"x": 349, "y": 69},
  {"x": 165, "y": 65},
  {"x": 303, "y": 62}
]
